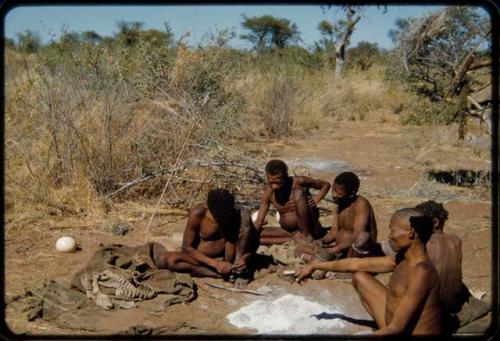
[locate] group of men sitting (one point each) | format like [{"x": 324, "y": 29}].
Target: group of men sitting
[{"x": 424, "y": 292}]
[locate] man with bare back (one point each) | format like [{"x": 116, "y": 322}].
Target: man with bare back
[
  {"x": 218, "y": 241},
  {"x": 445, "y": 252},
  {"x": 354, "y": 229},
  {"x": 299, "y": 214},
  {"x": 410, "y": 304}
]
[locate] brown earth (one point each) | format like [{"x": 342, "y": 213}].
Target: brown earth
[{"x": 391, "y": 160}]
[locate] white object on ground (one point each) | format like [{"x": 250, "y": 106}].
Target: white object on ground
[
  {"x": 66, "y": 244},
  {"x": 277, "y": 216},
  {"x": 254, "y": 216},
  {"x": 288, "y": 314}
]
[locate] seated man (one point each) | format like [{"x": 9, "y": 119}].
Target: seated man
[
  {"x": 445, "y": 252},
  {"x": 410, "y": 304},
  {"x": 299, "y": 215},
  {"x": 218, "y": 241},
  {"x": 354, "y": 229}
]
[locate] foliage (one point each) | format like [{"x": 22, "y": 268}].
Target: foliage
[
  {"x": 267, "y": 32},
  {"x": 28, "y": 41},
  {"x": 433, "y": 47},
  {"x": 363, "y": 55}
]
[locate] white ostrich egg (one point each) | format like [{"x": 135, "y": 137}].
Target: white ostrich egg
[
  {"x": 66, "y": 244},
  {"x": 277, "y": 216},
  {"x": 254, "y": 216}
]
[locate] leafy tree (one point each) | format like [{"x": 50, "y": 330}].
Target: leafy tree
[
  {"x": 9, "y": 42},
  {"x": 437, "y": 49},
  {"x": 128, "y": 32},
  {"x": 363, "y": 55},
  {"x": 28, "y": 41},
  {"x": 91, "y": 37},
  {"x": 327, "y": 31},
  {"x": 267, "y": 32}
]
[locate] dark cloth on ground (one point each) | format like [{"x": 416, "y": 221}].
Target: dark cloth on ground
[{"x": 116, "y": 276}]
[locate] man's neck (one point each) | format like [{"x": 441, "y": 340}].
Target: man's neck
[{"x": 415, "y": 253}]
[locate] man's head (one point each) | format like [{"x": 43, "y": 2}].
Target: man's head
[
  {"x": 436, "y": 211},
  {"x": 221, "y": 205},
  {"x": 276, "y": 173},
  {"x": 345, "y": 186},
  {"x": 409, "y": 225}
]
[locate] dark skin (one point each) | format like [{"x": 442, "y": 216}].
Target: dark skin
[
  {"x": 410, "y": 303},
  {"x": 354, "y": 223},
  {"x": 299, "y": 216},
  {"x": 204, "y": 240},
  {"x": 444, "y": 251}
]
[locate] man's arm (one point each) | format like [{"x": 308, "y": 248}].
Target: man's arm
[
  {"x": 243, "y": 242},
  {"x": 191, "y": 239},
  {"x": 264, "y": 207},
  {"x": 361, "y": 217},
  {"x": 416, "y": 294},
  {"x": 320, "y": 185},
  {"x": 368, "y": 264}
]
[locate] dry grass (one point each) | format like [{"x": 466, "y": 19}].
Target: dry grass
[{"x": 81, "y": 124}]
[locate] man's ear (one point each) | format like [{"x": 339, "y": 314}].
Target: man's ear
[
  {"x": 412, "y": 233},
  {"x": 435, "y": 223}
]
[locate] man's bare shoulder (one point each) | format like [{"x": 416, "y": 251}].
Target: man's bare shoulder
[
  {"x": 198, "y": 210},
  {"x": 445, "y": 238},
  {"x": 424, "y": 269},
  {"x": 362, "y": 203}
]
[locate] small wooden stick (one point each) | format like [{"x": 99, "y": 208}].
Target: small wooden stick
[{"x": 236, "y": 290}]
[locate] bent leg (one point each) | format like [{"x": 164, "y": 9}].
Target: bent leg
[
  {"x": 306, "y": 218},
  {"x": 274, "y": 235},
  {"x": 372, "y": 295},
  {"x": 183, "y": 262}
]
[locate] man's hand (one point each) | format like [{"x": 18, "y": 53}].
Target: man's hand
[
  {"x": 303, "y": 273},
  {"x": 222, "y": 267},
  {"x": 240, "y": 265},
  {"x": 311, "y": 202}
]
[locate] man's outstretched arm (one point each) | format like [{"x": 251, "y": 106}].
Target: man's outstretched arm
[{"x": 368, "y": 264}]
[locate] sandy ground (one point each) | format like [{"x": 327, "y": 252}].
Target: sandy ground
[{"x": 391, "y": 160}]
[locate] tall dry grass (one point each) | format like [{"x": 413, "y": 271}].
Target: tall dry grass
[{"x": 83, "y": 122}]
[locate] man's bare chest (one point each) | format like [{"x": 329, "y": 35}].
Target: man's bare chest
[
  {"x": 398, "y": 284},
  {"x": 210, "y": 230},
  {"x": 345, "y": 219}
]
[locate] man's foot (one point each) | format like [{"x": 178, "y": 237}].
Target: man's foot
[
  {"x": 325, "y": 255},
  {"x": 318, "y": 274}
]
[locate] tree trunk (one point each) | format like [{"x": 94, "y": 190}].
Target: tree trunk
[
  {"x": 462, "y": 128},
  {"x": 343, "y": 42}
]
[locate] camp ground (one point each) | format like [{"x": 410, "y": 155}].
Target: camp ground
[{"x": 111, "y": 139}]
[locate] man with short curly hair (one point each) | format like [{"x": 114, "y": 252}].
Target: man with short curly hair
[
  {"x": 354, "y": 229},
  {"x": 299, "y": 214}
]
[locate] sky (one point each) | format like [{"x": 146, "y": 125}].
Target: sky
[{"x": 50, "y": 21}]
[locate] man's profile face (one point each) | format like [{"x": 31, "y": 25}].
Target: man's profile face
[
  {"x": 399, "y": 233},
  {"x": 276, "y": 181},
  {"x": 339, "y": 193}
]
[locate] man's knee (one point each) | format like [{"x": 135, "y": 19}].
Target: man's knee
[
  {"x": 359, "y": 278},
  {"x": 299, "y": 194},
  {"x": 166, "y": 260}
]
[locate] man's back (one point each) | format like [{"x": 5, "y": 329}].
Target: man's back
[{"x": 445, "y": 252}]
